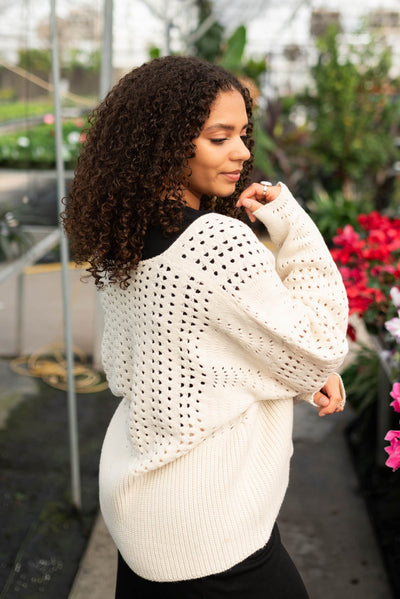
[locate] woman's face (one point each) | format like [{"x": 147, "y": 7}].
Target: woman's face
[{"x": 220, "y": 150}]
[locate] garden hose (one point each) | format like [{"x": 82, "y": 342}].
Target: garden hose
[{"x": 49, "y": 363}]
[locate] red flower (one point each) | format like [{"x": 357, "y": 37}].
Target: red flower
[
  {"x": 351, "y": 332},
  {"x": 369, "y": 262}
]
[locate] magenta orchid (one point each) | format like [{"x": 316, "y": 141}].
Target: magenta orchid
[
  {"x": 393, "y": 450},
  {"x": 393, "y": 326},
  {"x": 395, "y": 393}
]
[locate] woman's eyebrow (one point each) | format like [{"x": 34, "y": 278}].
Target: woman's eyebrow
[{"x": 224, "y": 126}]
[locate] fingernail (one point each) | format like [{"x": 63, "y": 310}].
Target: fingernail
[{"x": 247, "y": 203}]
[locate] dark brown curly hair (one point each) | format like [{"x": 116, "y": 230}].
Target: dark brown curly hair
[{"x": 134, "y": 163}]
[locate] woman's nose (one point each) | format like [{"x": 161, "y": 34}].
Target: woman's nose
[{"x": 240, "y": 151}]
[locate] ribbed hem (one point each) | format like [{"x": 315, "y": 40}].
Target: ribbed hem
[{"x": 208, "y": 510}]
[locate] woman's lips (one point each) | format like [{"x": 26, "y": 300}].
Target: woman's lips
[{"x": 234, "y": 176}]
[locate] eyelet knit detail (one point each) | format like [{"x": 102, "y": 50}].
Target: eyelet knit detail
[{"x": 208, "y": 346}]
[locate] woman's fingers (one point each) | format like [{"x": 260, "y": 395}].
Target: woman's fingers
[
  {"x": 255, "y": 196},
  {"x": 320, "y": 399},
  {"x": 332, "y": 391},
  {"x": 335, "y": 404},
  {"x": 328, "y": 400}
]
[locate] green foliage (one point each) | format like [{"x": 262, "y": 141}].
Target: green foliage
[
  {"x": 22, "y": 110},
  {"x": 13, "y": 241},
  {"x": 35, "y": 147},
  {"x": 209, "y": 45},
  {"x": 333, "y": 210},
  {"x": 154, "y": 52},
  {"x": 287, "y": 154},
  {"x": 263, "y": 149},
  {"x": 33, "y": 59},
  {"x": 233, "y": 50},
  {"x": 232, "y": 57},
  {"x": 78, "y": 59},
  {"x": 229, "y": 53},
  {"x": 361, "y": 379},
  {"x": 353, "y": 113},
  {"x": 254, "y": 68},
  {"x": 7, "y": 94}
]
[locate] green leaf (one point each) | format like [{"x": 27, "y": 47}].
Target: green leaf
[{"x": 235, "y": 46}]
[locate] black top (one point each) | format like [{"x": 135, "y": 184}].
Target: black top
[{"x": 155, "y": 243}]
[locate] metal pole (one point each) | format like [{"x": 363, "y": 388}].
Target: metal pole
[
  {"x": 72, "y": 412},
  {"x": 106, "y": 77},
  {"x": 20, "y": 312},
  {"x": 167, "y": 30},
  {"x": 107, "y": 49}
]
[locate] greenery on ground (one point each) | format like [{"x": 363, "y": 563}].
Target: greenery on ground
[
  {"x": 24, "y": 110},
  {"x": 35, "y": 146}
]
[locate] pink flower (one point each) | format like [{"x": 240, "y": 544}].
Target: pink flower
[
  {"x": 393, "y": 326},
  {"x": 395, "y": 393},
  {"x": 393, "y": 450},
  {"x": 48, "y": 119},
  {"x": 395, "y": 295}
]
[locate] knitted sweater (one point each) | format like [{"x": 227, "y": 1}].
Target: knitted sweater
[{"x": 209, "y": 347}]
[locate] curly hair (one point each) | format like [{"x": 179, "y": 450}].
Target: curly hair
[{"x": 134, "y": 162}]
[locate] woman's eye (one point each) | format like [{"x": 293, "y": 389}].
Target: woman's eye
[{"x": 218, "y": 141}]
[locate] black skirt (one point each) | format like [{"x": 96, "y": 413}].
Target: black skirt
[{"x": 269, "y": 573}]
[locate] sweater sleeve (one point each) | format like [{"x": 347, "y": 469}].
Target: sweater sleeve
[
  {"x": 288, "y": 313},
  {"x": 305, "y": 311},
  {"x": 306, "y": 268}
]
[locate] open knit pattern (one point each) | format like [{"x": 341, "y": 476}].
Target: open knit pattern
[{"x": 209, "y": 347}]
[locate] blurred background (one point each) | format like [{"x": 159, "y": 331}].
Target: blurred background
[{"x": 325, "y": 79}]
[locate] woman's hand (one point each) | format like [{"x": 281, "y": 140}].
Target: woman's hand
[
  {"x": 329, "y": 399},
  {"x": 255, "y": 196}
]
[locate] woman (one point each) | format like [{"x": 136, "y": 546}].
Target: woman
[{"x": 208, "y": 340}]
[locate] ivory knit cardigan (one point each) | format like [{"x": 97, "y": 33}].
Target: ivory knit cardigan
[{"x": 209, "y": 347}]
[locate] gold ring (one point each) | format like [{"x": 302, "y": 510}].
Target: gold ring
[
  {"x": 341, "y": 404},
  {"x": 265, "y": 185}
]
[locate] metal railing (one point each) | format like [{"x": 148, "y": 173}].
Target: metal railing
[{"x": 16, "y": 269}]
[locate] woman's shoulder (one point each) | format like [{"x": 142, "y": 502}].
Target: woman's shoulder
[
  {"x": 205, "y": 235},
  {"x": 214, "y": 226},
  {"x": 220, "y": 249}
]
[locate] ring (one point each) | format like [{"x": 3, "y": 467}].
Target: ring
[
  {"x": 265, "y": 185},
  {"x": 341, "y": 404}
]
